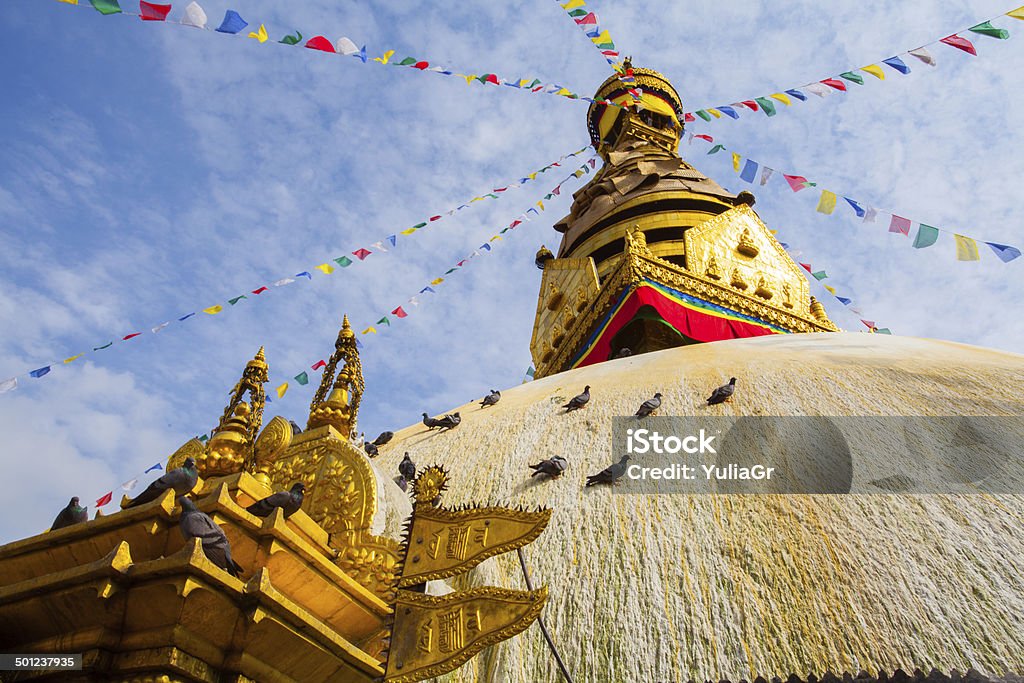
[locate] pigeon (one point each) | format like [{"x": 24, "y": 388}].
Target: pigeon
[
  {"x": 624, "y": 352},
  {"x": 371, "y": 449},
  {"x": 289, "y": 501},
  {"x": 72, "y": 514},
  {"x": 450, "y": 421},
  {"x": 296, "y": 429},
  {"x": 196, "y": 524},
  {"x": 649, "y": 406},
  {"x": 430, "y": 422},
  {"x": 553, "y": 467},
  {"x": 383, "y": 438},
  {"x": 578, "y": 402},
  {"x": 491, "y": 398},
  {"x": 402, "y": 483},
  {"x": 610, "y": 474},
  {"x": 722, "y": 393},
  {"x": 182, "y": 480},
  {"x": 407, "y": 468}
]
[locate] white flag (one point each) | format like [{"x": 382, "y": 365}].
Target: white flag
[
  {"x": 285, "y": 281},
  {"x": 129, "y": 485},
  {"x": 817, "y": 88},
  {"x": 8, "y": 385},
  {"x": 766, "y": 173},
  {"x": 160, "y": 327},
  {"x": 925, "y": 56},
  {"x": 379, "y": 245},
  {"x": 347, "y": 47},
  {"x": 869, "y": 215},
  {"x": 194, "y": 16}
]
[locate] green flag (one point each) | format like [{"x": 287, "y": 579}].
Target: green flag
[
  {"x": 716, "y": 148},
  {"x": 344, "y": 261},
  {"x": 926, "y": 236},
  {"x": 703, "y": 114},
  {"x": 452, "y": 270},
  {"x": 302, "y": 378},
  {"x": 856, "y": 78},
  {"x": 105, "y": 346},
  {"x": 384, "y": 321},
  {"x": 407, "y": 61},
  {"x": 985, "y": 28},
  {"x": 292, "y": 40},
  {"x": 766, "y": 104},
  {"x": 111, "y": 6},
  {"x": 820, "y": 275},
  {"x": 237, "y": 299}
]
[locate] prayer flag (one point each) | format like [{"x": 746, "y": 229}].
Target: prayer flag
[
  {"x": 104, "y": 499},
  {"x": 284, "y": 281},
  {"x": 736, "y": 162},
  {"x": 767, "y": 105},
  {"x": 900, "y": 224},
  {"x": 237, "y": 299},
  {"x": 869, "y": 323},
  {"x": 157, "y": 466},
  {"x": 926, "y": 236},
  {"x": 827, "y": 203},
  {"x": 213, "y": 310},
  {"x": 844, "y": 301},
  {"x": 326, "y": 268},
  {"x": 857, "y": 208},
  {"x": 796, "y": 182},
  {"x": 437, "y": 281},
  {"x": 344, "y": 261},
  {"x": 361, "y": 254},
  {"x": 960, "y": 44},
  {"x": 749, "y": 171},
  {"x": 703, "y": 114},
  {"x": 369, "y": 330},
  {"x": 302, "y": 378},
  {"x": 384, "y": 321},
  {"x": 716, "y": 149},
  {"x": 233, "y": 23},
  {"x": 400, "y": 312},
  {"x": 185, "y": 317},
  {"x": 259, "y": 291},
  {"x": 260, "y": 35},
  {"x": 1005, "y": 252},
  {"x": 781, "y": 97},
  {"x": 151, "y": 12},
  {"x": 8, "y": 385},
  {"x": 1016, "y": 14},
  {"x": 281, "y": 390},
  {"x": 966, "y": 248},
  {"x": 129, "y": 485},
  {"x": 797, "y": 94},
  {"x": 869, "y": 214},
  {"x": 831, "y": 289},
  {"x": 320, "y": 43},
  {"x": 853, "y": 77},
  {"x": 72, "y": 359},
  {"x": 898, "y": 64},
  {"x": 750, "y": 104},
  {"x": 875, "y": 70},
  {"x": 105, "y": 346},
  {"x": 393, "y": 239},
  {"x": 106, "y": 6},
  {"x": 820, "y": 275},
  {"x": 306, "y": 274},
  {"x": 729, "y": 111},
  {"x": 925, "y": 56},
  {"x": 817, "y": 89},
  {"x": 317, "y": 365},
  {"x": 835, "y": 83},
  {"x": 428, "y": 289},
  {"x": 346, "y": 46},
  {"x": 40, "y": 372},
  {"x": 987, "y": 29},
  {"x": 292, "y": 40},
  {"x": 130, "y": 336},
  {"x": 806, "y": 266},
  {"x": 194, "y": 16},
  {"x": 766, "y": 173},
  {"x": 714, "y": 112}
]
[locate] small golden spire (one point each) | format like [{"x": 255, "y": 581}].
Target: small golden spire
[
  {"x": 336, "y": 402},
  {"x": 230, "y": 448}
]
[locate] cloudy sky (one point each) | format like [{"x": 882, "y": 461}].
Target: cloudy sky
[{"x": 152, "y": 170}]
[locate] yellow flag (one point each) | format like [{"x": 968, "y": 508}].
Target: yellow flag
[
  {"x": 327, "y": 268},
  {"x": 75, "y": 2},
  {"x": 736, "y": 162},
  {"x": 68, "y": 360},
  {"x": 370, "y": 330},
  {"x": 523, "y": 82},
  {"x": 476, "y": 199},
  {"x": 714, "y": 112},
  {"x": 875, "y": 70},
  {"x": 532, "y": 176},
  {"x": 409, "y": 231},
  {"x": 831, "y": 289},
  {"x": 573, "y": 4},
  {"x": 827, "y": 203},
  {"x": 602, "y": 39},
  {"x": 541, "y": 205},
  {"x": 213, "y": 310},
  {"x": 495, "y": 238},
  {"x": 384, "y": 59},
  {"x": 469, "y": 78},
  {"x": 1017, "y": 13},
  {"x": 564, "y": 92},
  {"x": 261, "y": 35},
  {"x": 966, "y": 248},
  {"x": 782, "y": 97},
  {"x": 281, "y": 390},
  {"x": 437, "y": 281}
]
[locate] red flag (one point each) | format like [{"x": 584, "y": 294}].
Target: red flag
[
  {"x": 589, "y": 19},
  {"x": 499, "y": 189},
  {"x": 514, "y": 224},
  {"x": 129, "y": 336},
  {"x": 689, "y": 118},
  {"x": 150, "y": 12},
  {"x": 435, "y": 218},
  {"x": 399, "y": 313},
  {"x": 361, "y": 253},
  {"x": 319, "y": 364},
  {"x": 870, "y": 324},
  {"x": 259, "y": 291},
  {"x": 835, "y": 83},
  {"x": 705, "y": 137},
  {"x": 492, "y": 78},
  {"x": 960, "y": 44},
  {"x": 557, "y": 191},
  {"x": 421, "y": 65},
  {"x": 319, "y": 43},
  {"x": 900, "y": 224},
  {"x": 806, "y": 266},
  {"x": 750, "y": 103},
  {"x": 796, "y": 182},
  {"x": 593, "y": 163},
  {"x": 107, "y": 497}
]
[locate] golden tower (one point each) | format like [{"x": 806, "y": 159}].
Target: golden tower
[{"x": 656, "y": 255}]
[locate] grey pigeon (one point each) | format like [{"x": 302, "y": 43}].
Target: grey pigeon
[
  {"x": 553, "y": 467},
  {"x": 450, "y": 421},
  {"x": 296, "y": 429},
  {"x": 182, "y": 480},
  {"x": 430, "y": 422},
  {"x": 196, "y": 524},
  {"x": 289, "y": 501},
  {"x": 491, "y": 398},
  {"x": 370, "y": 448},
  {"x": 649, "y": 406},
  {"x": 72, "y": 514},
  {"x": 407, "y": 468},
  {"x": 722, "y": 393},
  {"x": 610, "y": 474},
  {"x": 624, "y": 352},
  {"x": 579, "y": 401},
  {"x": 402, "y": 483},
  {"x": 383, "y": 438}
]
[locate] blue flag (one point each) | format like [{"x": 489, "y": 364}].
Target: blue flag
[
  {"x": 844, "y": 300},
  {"x": 729, "y": 111},
  {"x": 1005, "y": 252},
  {"x": 856, "y": 207},
  {"x": 232, "y": 23},
  {"x": 898, "y": 64},
  {"x": 305, "y": 274},
  {"x": 40, "y": 372},
  {"x": 157, "y": 466},
  {"x": 749, "y": 171},
  {"x": 797, "y": 94}
]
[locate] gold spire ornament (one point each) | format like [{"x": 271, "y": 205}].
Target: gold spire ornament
[
  {"x": 230, "y": 449},
  {"x": 338, "y": 405}
]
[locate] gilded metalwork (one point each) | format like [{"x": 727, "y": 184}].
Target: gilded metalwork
[
  {"x": 272, "y": 442},
  {"x": 193, "y": 448},
  {"x": 433, "y": 635},
  {"x": 336, "y": 402}
]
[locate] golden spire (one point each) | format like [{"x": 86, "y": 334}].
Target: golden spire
[
  {"x": 338, "y": 405},
  {"x": 231, "y": 446}
]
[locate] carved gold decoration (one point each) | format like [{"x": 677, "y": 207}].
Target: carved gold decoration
[
  {"x": 434, "y": 635},
  {"x": 787, "y": 296},
  {"x": 713, "y": 271},
  {"x": 338, "y": 405},
  {"x": 581, "y": 299},
  {"x": 372, "y": 561},
  {"x": 271, "y": 443},
  {"x": 554, "y": 297},
  {"x": 736, "y": 279},
  {"x": 444, "y": 542},
  {"x": 817, "y": 310},
  {"x": 762, "y": 289},
  {"x": 429, "y": 485},
  {"x": 193, "y": 448},
  {"x": 557, "y": 334},
  {"x": 746, "y": 244}
]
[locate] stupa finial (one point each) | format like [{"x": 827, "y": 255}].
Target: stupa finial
[{"x": 336, "y": 402}]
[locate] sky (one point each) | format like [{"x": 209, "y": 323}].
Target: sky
[{"x": 151, "y": 170}]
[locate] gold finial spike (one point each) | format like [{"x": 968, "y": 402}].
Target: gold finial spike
[{"x": 336, "y": 401}]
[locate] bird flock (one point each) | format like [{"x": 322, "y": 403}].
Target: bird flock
[{"x": 196, "y": 524}]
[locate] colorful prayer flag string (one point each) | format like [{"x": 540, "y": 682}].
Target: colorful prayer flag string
[
  {"x": 326, "y": 268},
  {"x": 767, "y": 104},
  {"x": 590, "y": 25},
  {"x": 927, "y": 235}
]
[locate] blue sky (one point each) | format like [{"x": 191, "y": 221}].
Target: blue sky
[{"x": 152, "y": 170}]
